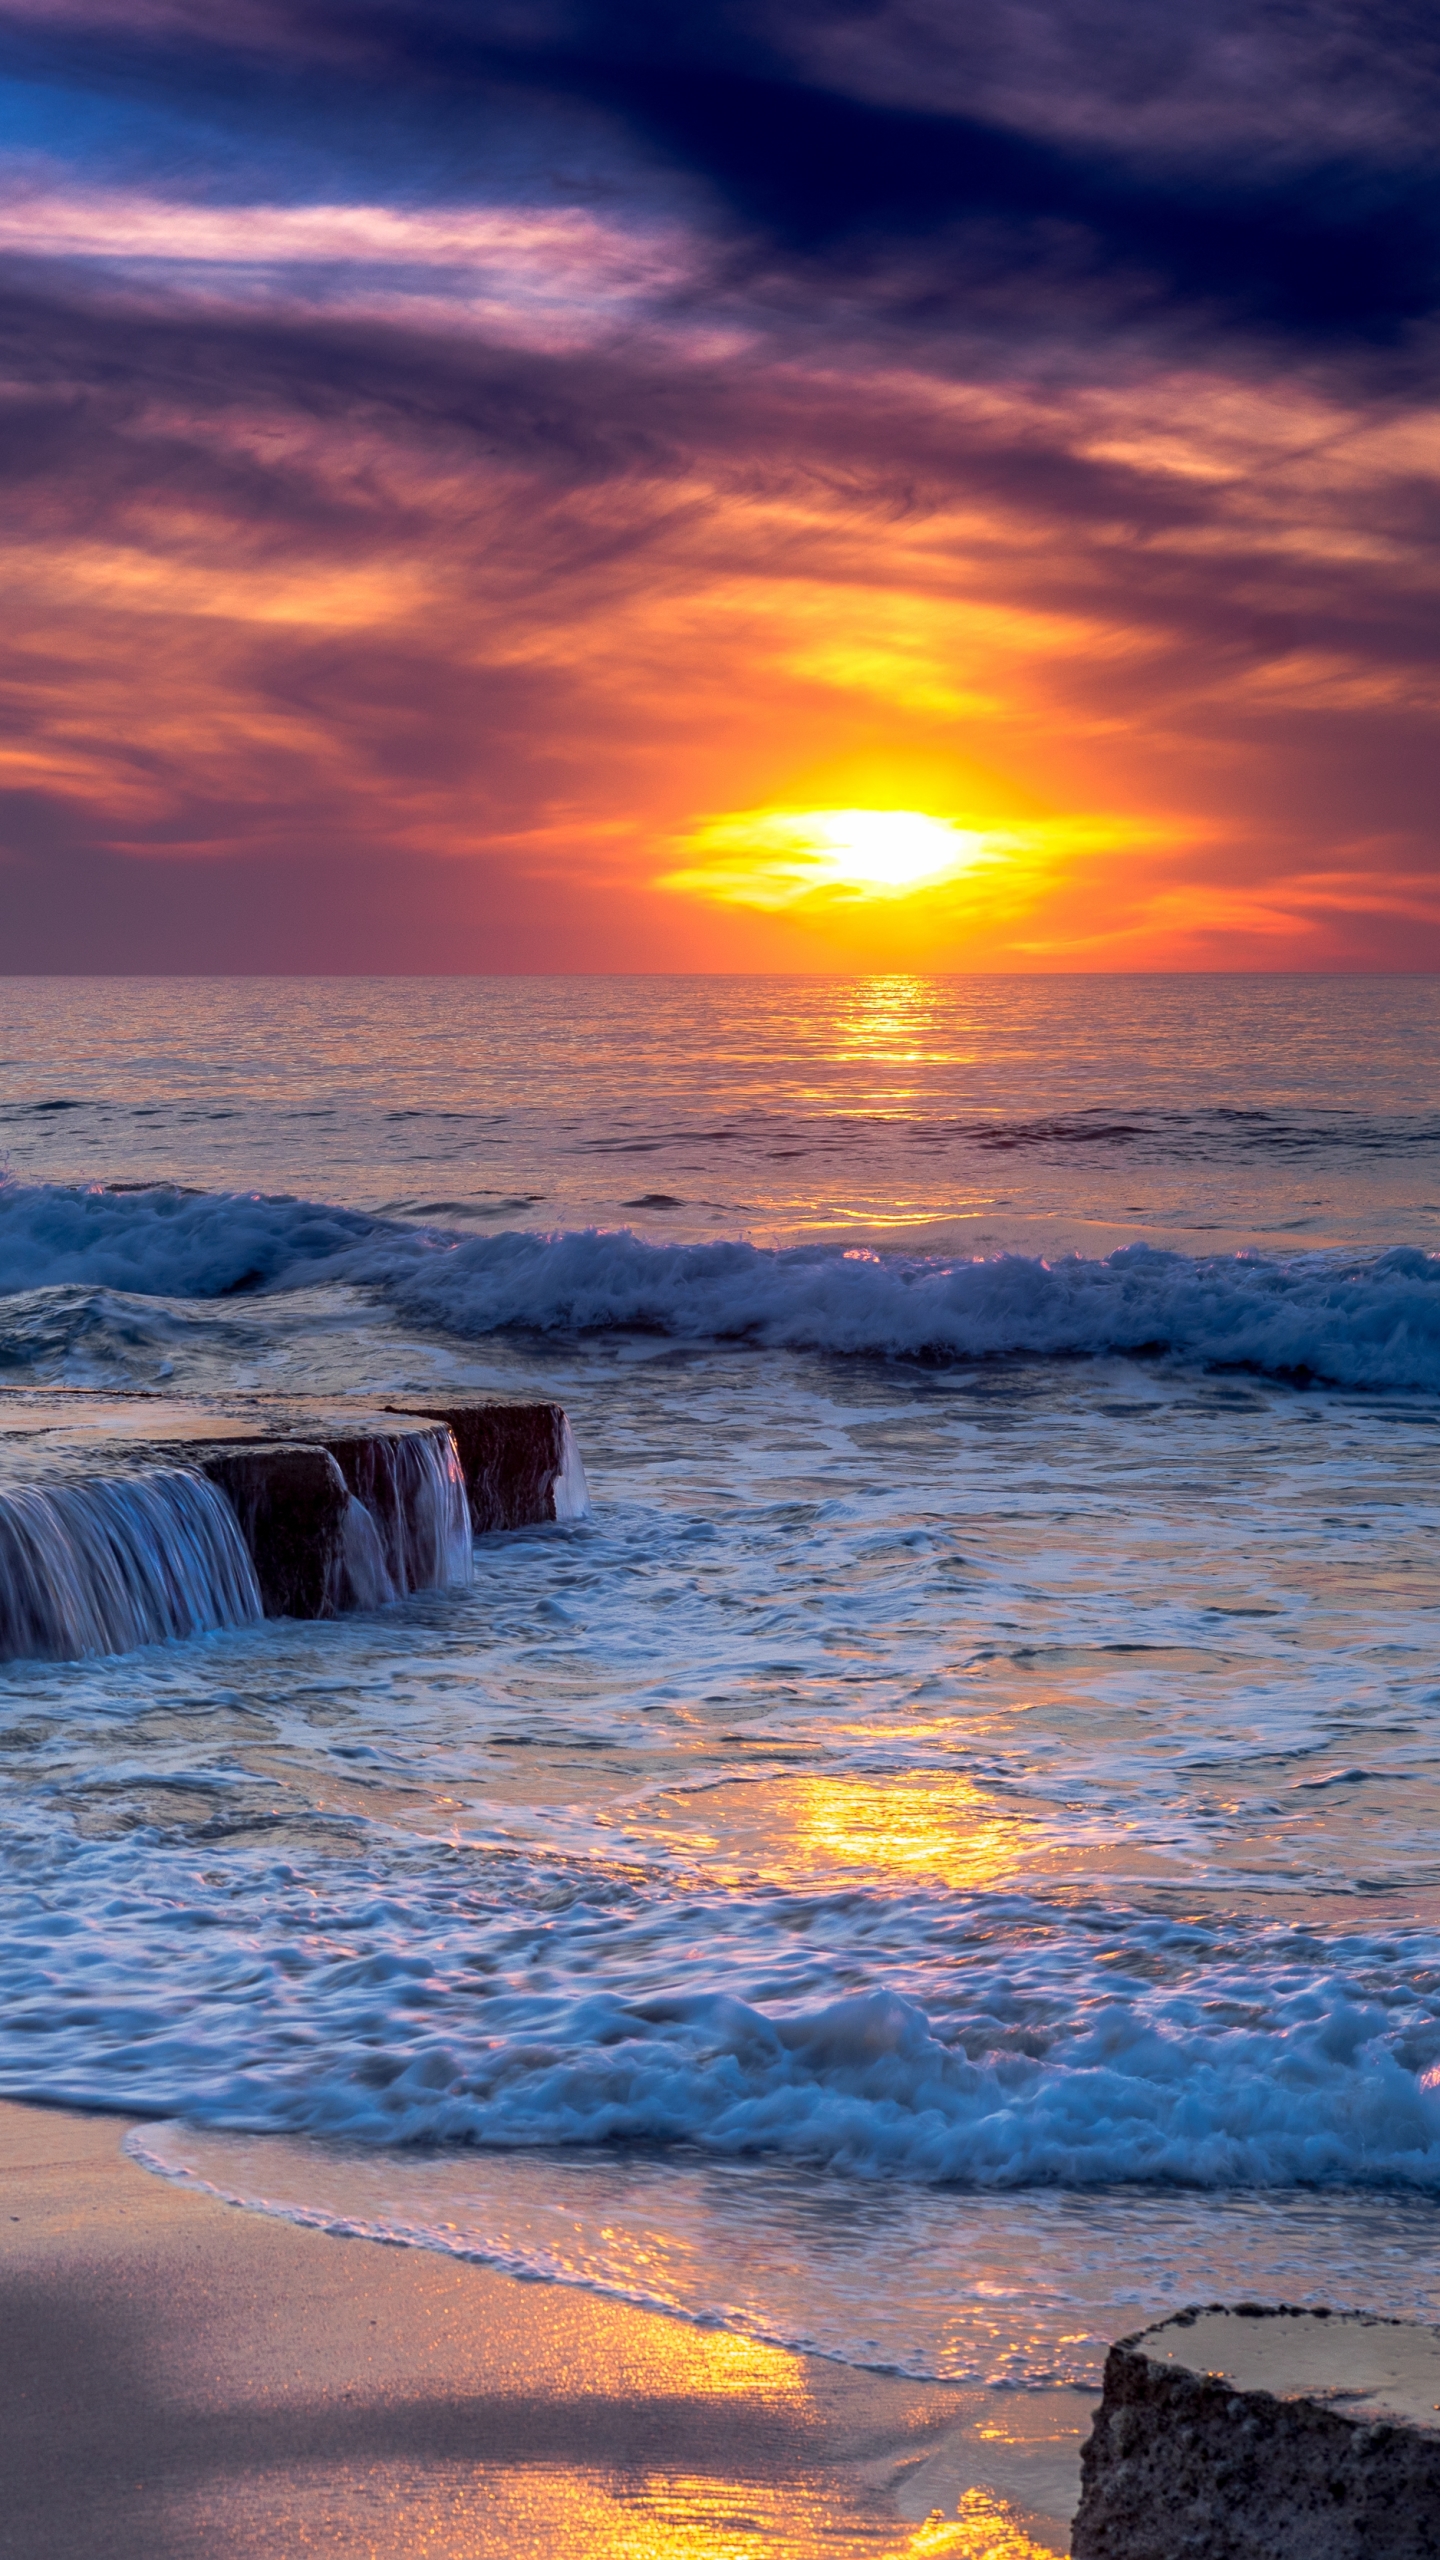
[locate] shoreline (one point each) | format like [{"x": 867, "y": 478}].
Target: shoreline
[{"x": 182, "y": 2376}]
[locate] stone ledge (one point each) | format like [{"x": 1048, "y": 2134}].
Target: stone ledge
[
  {"x": 290, "y": 1499},
  {"x": 513, "y": 1454},
  {"x": 293, "y": 1473}
]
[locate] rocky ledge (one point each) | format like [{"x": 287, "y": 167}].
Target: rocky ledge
[
  {"x": 126, "y": 1518},
  {"x": 1266, "y": 2434}
]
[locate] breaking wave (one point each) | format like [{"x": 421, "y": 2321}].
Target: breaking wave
[
  {"x": 1367, "y": 1323},
  {"x": 1058, "y": 2051}
]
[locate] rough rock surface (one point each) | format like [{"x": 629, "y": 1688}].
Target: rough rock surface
[{"x": 1266, "y": 2434}]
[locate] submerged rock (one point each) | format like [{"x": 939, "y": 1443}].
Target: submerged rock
[{"x": 1254, "y": 2434}]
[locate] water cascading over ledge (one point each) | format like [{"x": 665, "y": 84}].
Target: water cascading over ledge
[
  {"x": 375, "y": 1511},
  {"x": 129, "y": 1519},
  {"x": 102, "y": 1567}
]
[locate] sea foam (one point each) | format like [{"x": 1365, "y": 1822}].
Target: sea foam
[
  {"x": 439, "y": 2003},
  {"x": 1358, "y": 1322}
]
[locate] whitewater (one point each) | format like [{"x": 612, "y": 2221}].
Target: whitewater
[
  {"x": 940, "y": 1863},
  {"x": 1373, "y": 1321}
]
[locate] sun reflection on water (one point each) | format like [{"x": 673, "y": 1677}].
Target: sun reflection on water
[
  {"x": 933, "y": 1823},
  {"x": 940, "y": 1824},
  {"x": 676, "y": 2515}
]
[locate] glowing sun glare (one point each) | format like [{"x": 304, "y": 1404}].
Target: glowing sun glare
[
  {"x": 887, "y": 848},
  {"x": 778, "y": 857}
]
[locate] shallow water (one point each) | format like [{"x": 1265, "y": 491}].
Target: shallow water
[
  {"x": 1025, "y": 2291},
  {"x": 942, "y": 1863}
]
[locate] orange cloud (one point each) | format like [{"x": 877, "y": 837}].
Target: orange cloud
[{"x": 621, "y": 621}]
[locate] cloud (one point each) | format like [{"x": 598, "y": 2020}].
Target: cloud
[
  {"x": 861, "y": 408},
  {"x": 551, "y": 275},
  {"x": 1070, "y": 148}
]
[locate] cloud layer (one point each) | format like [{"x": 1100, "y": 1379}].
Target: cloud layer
[{"x": 462, "y": 459}]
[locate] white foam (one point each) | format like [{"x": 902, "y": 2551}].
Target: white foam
[
  {"x": 431, "y": 1999},
  {"x": 570, "y": 1492},
  {"x": 360, "y": 1577},
  {"x": 1369, "y": 1322}
]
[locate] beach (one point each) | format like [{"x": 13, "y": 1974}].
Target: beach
[{"x": 182, "y": 2377}]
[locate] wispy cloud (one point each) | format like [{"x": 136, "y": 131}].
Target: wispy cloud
[{"x": 542, "y": 273}]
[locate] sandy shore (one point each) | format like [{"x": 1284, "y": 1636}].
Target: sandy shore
[{"x": 181, "y": 2378}]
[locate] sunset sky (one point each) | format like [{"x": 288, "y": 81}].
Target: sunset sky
[{"x": 794, "y": 486}]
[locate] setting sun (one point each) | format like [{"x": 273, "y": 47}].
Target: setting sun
[
  {"x": 777, "y": 857},
  {"x": 888, "y": 849}
]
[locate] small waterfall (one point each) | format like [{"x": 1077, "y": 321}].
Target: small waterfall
[
  {"x": 408, "y": 1524},
  {"x": 103, "y": 1565},
  {"x": 570, "y": 1492},
  {"x": 435, "y": 1545},
  {"x": 361, "y": 1577},
  {"x": 520, "y": 1460}
]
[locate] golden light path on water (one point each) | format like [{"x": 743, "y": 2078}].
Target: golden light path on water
[{"x": 798, "y": 1828}]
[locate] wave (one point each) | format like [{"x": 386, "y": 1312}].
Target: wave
[
  {"x": 1314, "y": 2096},
  {"x": 1216, "y": 1136},
  {"x": 1002, "y": 2046},
  {"x": 161, "y": 1241},
  {"x": 1371, "y": 1323}
]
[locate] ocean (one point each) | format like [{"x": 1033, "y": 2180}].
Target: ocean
[{"x": 943, "y": 1863}]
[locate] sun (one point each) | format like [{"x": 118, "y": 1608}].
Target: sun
[
  {"x": 784, "y": 858},
  {"x": 885, "y": 849}
]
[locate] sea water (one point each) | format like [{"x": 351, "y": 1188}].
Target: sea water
[{"x": 943, "y": 1863}]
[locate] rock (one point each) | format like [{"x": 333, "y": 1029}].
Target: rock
[
  {"x": 1255, "y": 2434},
  {"x": 339, "y": 1504},
  {"x": 516, "y": 1457},
  {"x": 402, "y": 1521},
  {"x": 290, "y": 1501}
]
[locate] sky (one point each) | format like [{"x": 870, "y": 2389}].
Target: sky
[{"x": 547, "y": 485}]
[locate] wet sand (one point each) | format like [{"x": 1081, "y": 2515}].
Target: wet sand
[{"x": 180, "y": 2380}]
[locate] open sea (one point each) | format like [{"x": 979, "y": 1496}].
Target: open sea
[{"x": 943, "y": 1864}]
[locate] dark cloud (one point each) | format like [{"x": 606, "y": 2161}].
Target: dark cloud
[
  {"x": 1266, "y": 76},
  {"x": 1107, "y": 147},
  {"x": 349, "y": 432},
  {"x": 1343, "y": 245}
]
